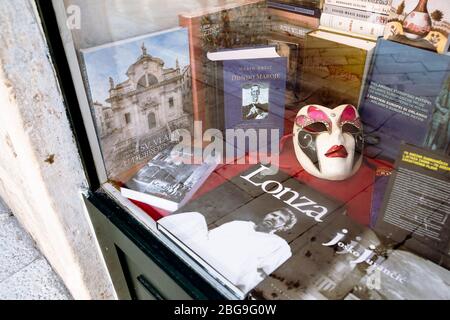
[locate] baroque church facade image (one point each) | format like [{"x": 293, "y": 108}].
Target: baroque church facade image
[{"x": 137, "y": 119}]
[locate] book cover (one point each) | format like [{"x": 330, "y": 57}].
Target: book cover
[
  {"x": 381, "y": 182},
  {"x": 416, "y": 207},
  {"x": 278, "y": 18},
  {"x": 376, "y": 6},
  {"x": 420, "y": 23},
  {"x": 248, "y": 237},
  {"x": 342, "y": 23},
  {"x": 343, "y": 260},
  {"x": 168, "y": 181},
  {"x": 241, "y": 23},
  {"x": 334, "y": 68},
  {"x": 288, "y": 32},
  {"x": 139, "y": 92},
  {"x": 324, "y": 265},
  {"x": 406, "y": 99},
  {"x": 310, "y": 8},
  {"x": 254, "y": 93}
]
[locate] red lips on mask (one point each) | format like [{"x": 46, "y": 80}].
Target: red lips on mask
[{"x": 337, "y": 152}]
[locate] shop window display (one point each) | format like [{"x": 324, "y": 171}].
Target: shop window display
[{"x": 354, "y": 201}]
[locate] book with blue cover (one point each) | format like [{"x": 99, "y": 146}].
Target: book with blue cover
[
  {"x": 254, "y": 89},
  {"x": 406, "y": 99}
]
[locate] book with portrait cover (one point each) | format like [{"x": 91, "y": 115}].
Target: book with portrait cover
[
  {"x": 237, "y": 24},
  {"x": 254, "y": 84},
  {"x": 247, "y": 237},
  {"x": 420, "y": 23},
  {"x": 168, "y": 181},
  {"x": 407, "y": 98},
  {"x": 334, "y": 68}
]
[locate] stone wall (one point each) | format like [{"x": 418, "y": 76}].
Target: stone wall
[{"x": 41, "y": 175}]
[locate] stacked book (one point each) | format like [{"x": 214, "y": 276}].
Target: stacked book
[{"x": 359, "y": 17}]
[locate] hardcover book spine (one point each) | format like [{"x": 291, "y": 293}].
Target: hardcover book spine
[
  {"x": 355, "y": 14},
  {"x": 276, "y": 15},
  {"x": 377, "y": 6},
  {"x": 312, "y": 12},
  {"x": 351, "y": 25}
]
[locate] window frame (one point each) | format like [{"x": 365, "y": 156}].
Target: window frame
[{"x": 102, "y": 193}]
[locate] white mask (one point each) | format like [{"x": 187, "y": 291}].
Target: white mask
[{"x": 329, "y": 142}]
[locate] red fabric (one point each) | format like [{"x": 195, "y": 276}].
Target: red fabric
[
  {"x": 154, "y": 213},
  {"x": 355, "y": 192}
]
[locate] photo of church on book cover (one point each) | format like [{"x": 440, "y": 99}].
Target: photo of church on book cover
[
  {"x": 140, "y": 92},
  {"x": 247, "y": 238}
]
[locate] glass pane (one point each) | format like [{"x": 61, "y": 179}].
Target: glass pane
[{"x": 292, "y": 149}]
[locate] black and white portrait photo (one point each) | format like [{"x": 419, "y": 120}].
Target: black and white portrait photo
[
  {"x": 255, "y": 101},
  {"x": 245, "y": 252}
]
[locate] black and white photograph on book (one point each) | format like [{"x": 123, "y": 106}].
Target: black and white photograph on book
[{"x": 225, "y": 158}]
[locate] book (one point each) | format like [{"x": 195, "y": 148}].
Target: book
[
  {"x": 425, "y": 280},
  {"x": 254, "y": 89},
  {"x": 339, "y": 22},
  {"x": 376, "y": 6},
  {"x": 248, "y": 237},
  {"x": 304, "y": 7},
  {"x": 334, "y": 68},
  {"x": 279, "y": 19},
  {"x": 127, "y": 86},
  {"x": 322, "y": 266},
  {"x": 240, "y": 23},
  {"x": 406, "y": 99},
  {"x": 348, "y": 33},
  {"x": 416, "y": 207},
  {"x": 420, "y": 23},
  {"x": 343, "y": 260},
  {"x": 362, "y": 15},
  {"x": 288, "y": 32},
  {"x": 292, "y": 50},
  {"x": 169, "y": 180}
]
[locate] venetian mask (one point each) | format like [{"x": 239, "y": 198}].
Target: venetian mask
[{"x": 329, "y": 142}]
